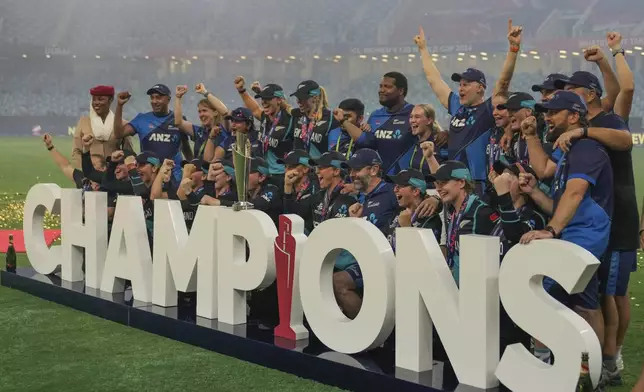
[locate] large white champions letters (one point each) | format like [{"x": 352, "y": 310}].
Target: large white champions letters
[
  {"x": 40, "y": 199},
  {"x": 128, "y": 253},
  {"x": 90, "y": 236},
  {"x": 229, "y": 253},
  {"x": 185, "y": 262}
]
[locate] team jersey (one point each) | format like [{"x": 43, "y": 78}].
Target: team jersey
[
  {"x": 515, "y": 222},
  {"x": 322, "y": 205},
  {"x": 590, "y": 226},
  {"x": 255, "y": 145},
  {"x": 391, "y": 136},
  {"x": 469, "y": 135},
  {"x": 318, "y": 138},
  {"x": 432, "y": 222},
  {"x": 159, "y": 135},
  {"x": 473, "y": 217},
  {"x": 380, "y": 206},
  {"x": 276, "y": 137},
  {"x": 414, "y": 158},
  {"x": 201, "y": 136},
  {"x": 625, "y": 223}
]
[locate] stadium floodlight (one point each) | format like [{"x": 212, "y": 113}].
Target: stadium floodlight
[
  {"x": 237, "y": 61},
  {"x": 98, "y": 57},
  {"x": 395, "y": 57},
  {"x": 434, "y": 59},
  {"x": 195, "y": 58},
  {"x": 533, "y": 52},
  {"x": 124, "y": 57},
  {"x": 287, "y": 61},
  {"x": 460, "y": 59},
  {"x": 472, "y": 56},
  {"x": 484, "y": 58},
  {"x": 443, "y": 57},
  {"x": 411, "y": 55},
  {"x": 173, "y": 57},
  {"x": 243, "y": 57},
  {"x": 385, "y": 60},
  {"x": 563, "y": 51},
  {"x": 147, "y": 57},
  {"x": 410, "y": 60},
  {"x": 434, "y": 55},
  {"x": 642, "y": 53},
  {"x": 384, "y": 56},
  {"x": 628, "y": 51},
  {"x": 316, "y": 57},
  {"x": 536, "y": 57},
  {"x": 575, "y": 53},
  {"x": 637, "y": 47},
  {"x": 336, "y": 61},
  {"x": 461, "y": 54},
  {"x": 74, "y": 56},
  {"x": 374, "y": 58},
  {"x": 338, "y": 57},
  {"x": 269, "y": 57},
  {"x": 483, "y": 54},
  {"x": 221, "y": 57},
  {"x": 48, "y": 56},
  {"x": 291, "y": 57},
  {"x": 523, "y": 55},
  {"x": 363, "y": 56},
  {"x": 563, "y": 56},
  {"x": 24, "y": 56}
]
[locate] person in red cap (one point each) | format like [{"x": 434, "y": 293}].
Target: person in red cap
[{"x": 98, "y": 125}]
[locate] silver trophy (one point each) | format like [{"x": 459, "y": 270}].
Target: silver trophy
[{"x": 241, "y": 161}]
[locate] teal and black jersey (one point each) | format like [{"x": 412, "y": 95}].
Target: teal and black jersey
[
  {"x": 318, "y": 138},
  {"x": 276, "y": 138}
]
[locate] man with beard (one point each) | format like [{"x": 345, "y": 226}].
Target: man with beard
[
  {"x": 622, "y": 254},
  {"x": 580, "y": 202},
  {"x": 377, "y": 203},
  {"x": 156, "y": 130},
  {"x": 472, "y": 114}
]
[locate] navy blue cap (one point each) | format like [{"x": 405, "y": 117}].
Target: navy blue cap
[
  {"x": 451, "y": 170},
  {"x": 295, "y": 157},
  {"x": 363, "y": 158},
  {"x": 518, "y": 101},
  {"x": 200, "y": 164},
  {"x": 271, "y": 91},
  {"x": 472, "y": 75},
  {"x": 581, "y": 79},
  {"x": 501, "y": 166},
  {"x": 240, "y": 114},
  {"x": 563, "y": 100},
  {"x": 306, "y": 89},
  {"x": 409, "y": 177},
  {"x": 148, "y": 157},
  {"x": 228, "y": 167},
  {"x": 160, "y": 89},
  {"x": 329, "y": 159},
  {"x": 549, "y": 82},
  {"x": 258, "y": 165}
]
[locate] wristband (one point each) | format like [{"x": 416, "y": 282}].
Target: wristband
[
  {"x": 621, "y": 50},
  {"x": 241, "y": 91},
  {"x": 50, "y": 148},
  {"x": 585, "y": 134},
  {"x": 205, "y": 94},
  {"x": 515, "y": 48},
  {"x": 552, "y": 231}
]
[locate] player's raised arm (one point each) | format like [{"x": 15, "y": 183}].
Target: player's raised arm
[
  {"x": 249, "y": 102},
  {"x": 184, "y": 126},
  {"x": 611, "y": 85},
  {"x": 433, "y": 75},
  {"x": 121, "y": 129},
  {"x": 625, "y": 77},
  {"x": 514, "y": 38}
]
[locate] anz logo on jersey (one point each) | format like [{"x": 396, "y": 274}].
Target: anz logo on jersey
[
  {"x": 162, "y": 137},
  {"x": 388, "y": 134}
]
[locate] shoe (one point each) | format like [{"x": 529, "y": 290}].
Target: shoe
[
  {"x": 619, "y": 361},
  {"x": 613, "y": 379}
]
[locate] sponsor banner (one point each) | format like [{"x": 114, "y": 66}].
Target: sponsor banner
[{"x": 37, "y": 125}]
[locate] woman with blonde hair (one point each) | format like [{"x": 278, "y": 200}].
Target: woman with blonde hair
[
  {"x": 213, "y": 127},
  {"x": 314, "y": 121},
  {"x": 276, "y": 122},
  {"x": 424, "y": 156}
]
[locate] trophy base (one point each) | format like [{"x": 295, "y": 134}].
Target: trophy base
[{"x": 242, "y": 205}]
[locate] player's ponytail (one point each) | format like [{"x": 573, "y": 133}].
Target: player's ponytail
[
  {"x": 321, "y": 103},
  {"x": 284, "y": 105}
]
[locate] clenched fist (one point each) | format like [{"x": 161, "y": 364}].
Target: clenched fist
[
  {"x": 88, "y": 140},
  {"x": 428, "y": 149},
  {"x": 502, "y": 183},
  {"x": 180, "y": 91},
  {"x": 355, "y": 211},
  {"x": 529, "y": 127},
  {"x": 123, "y": 97},
  {"x": 186, "y": 185},
  {"x": 240, "y": 82},
  {"x": 593, "y": 54},
  {"x": 130, "y": 162},
  {"x": 201, "y": 89},
  {"x": 117, "y": 156},
  {"x": 47, "y": 140},
  {"x": 256, "y": 87},
  {"x": 614, "y": 40},
  {"x": 292, "y": 176},
  {"x": 338, "y": 114}
]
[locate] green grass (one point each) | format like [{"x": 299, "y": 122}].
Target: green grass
[{"x": 45, "y": 346}]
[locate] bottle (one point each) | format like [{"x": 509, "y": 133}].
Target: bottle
[
  {"x": 11, "y": 256},
  {"x": 584, "y": 384}
]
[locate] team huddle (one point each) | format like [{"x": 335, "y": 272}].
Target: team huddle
[{"x": 508, "y": 165}]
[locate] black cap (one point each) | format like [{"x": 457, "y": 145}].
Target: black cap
[
  {"x": 306, "y": 89},
  {"x": 295, "y": 157},
  {"x": 451, "y": 170},
  {"x": 563, "y": 100},
  {"x": 200, "y": 164},
  {"x": 518, "y": 101},
  {"x": 409, "y": 177},
  {"x": 363, "y": 158},
  {"x": 581, "y": 79},
  {"x": 329, "y": 159},
  {"x": 240, "y": 114},
  {"x": 228, "y": 167},
  {"x": 258, "y": 165},
  {"x": 271, "y": 91},
  {"x": 548, "y": 83},
  {"x": 148, "y": 157},
  {"x": 160, "y": 89},
  {"x": 500, "y": 166},
  {"x": 472, "y": 75}
]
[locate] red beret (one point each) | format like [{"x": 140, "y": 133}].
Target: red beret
[{"x": 101, "y": 91}]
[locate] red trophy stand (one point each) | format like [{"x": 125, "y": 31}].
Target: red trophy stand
[{"x": 285, "y": 274}]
